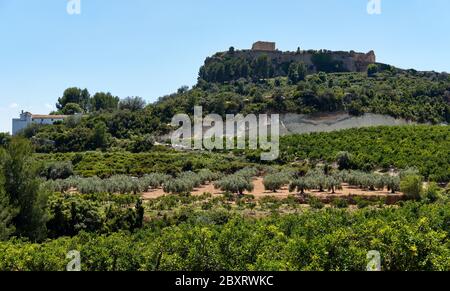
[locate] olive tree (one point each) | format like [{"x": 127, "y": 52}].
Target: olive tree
[
  {"x": 393, "y": 183},
  {"x": 299, "y": 185},
  {"x": 234, "y": 184},
  {"x": 275, "y": 182},
  {"x": 178, "y": 186},
  {"x": 153, "y": 181}
]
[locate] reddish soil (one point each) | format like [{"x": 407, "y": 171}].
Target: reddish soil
[{"x": 259, "y": 192}]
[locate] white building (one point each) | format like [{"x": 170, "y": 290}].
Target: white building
[{"x": 26, "y": 118}]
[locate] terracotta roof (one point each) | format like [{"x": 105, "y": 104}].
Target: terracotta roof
[{"x": 38, "y": 116}]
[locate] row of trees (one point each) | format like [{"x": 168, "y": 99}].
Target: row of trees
[
  {"x": 403, "y": 94},
  {"x": 77, "y": 100},
  {"x": 413, "y": 237},
  {"x": 133, "y": 131},
  {"x": 124, "y": 184},
  {"x": 186, "y": 182},
  {"x": 116, "y": 184},
  {"x": 423, "y": 147},
  {"x": 328, "y": 179},
  {"x": 227, "y": 67},
  {"x": 230, "y": 66},
  {"x": 370, "y": 182}
]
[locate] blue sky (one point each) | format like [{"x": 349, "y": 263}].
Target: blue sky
[{"x": 149, "y": 48}]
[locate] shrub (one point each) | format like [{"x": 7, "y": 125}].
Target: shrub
[
  {"x": 274, "y": 182},
  {"x": 361, "y": 202},
  {"x": 432, "y": 193},
  {"x": 315, "y": 203},
  {"x": 207, "y": 176},
  {"x": 344, "y": 160},
  {"x": 372, "y": 69},
  {"x": 340, "y": 203},
  {"x": 412, "y": 186},
  {"x": 57, "y": 170}
]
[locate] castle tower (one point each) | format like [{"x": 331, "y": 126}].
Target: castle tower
[{"x": 264, "y": 46}]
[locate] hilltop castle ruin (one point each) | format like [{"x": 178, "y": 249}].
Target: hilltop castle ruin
[
  {"x": 351, "y": 61},
  {"x": 264, "y": 46},
  {"x": 264, "y": 61}
]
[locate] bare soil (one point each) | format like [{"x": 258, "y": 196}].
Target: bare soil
[{"x": 259, "y": 192}]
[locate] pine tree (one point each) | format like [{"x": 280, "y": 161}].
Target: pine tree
[
  {"x": 6, "y": 214},
  {"x": 139, "y": 214},
  {"x": 22, "y": 188}
]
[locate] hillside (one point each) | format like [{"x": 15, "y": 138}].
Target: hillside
[
  {"x": 100, "y": 181},
  {"x": 277, "y": 83},
  {"x": 287, "y": 86}
]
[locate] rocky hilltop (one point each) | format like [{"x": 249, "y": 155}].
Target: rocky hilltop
[{"x": 264, "y": 60}]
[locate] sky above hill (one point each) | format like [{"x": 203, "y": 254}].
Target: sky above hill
[{"x": 150, "y": 48}]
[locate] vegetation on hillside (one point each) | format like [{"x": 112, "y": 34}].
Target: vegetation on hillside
[
  {"x": 131, "y": 125},
  {"x": 424, "y": 147},
  {"x": 414, "y": 237},
  {"x": 78, "y": 184}
]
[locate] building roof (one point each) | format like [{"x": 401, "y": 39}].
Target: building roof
[{"x": 41, "y": 116}]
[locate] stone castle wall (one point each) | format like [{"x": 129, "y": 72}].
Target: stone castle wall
[
  {"x": 264, "y": 46},
  {"x": 352, "y": 61}
]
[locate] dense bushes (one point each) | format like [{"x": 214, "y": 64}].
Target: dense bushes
[
  {"x": 122, "y": 184},
  {"x": 371, "y": 182},
  {"x": 425, "y": 147},
  {"x": 99, "y": 130},
  {"x": 57, "y": 170},
  {"x": 416, "y": 96},
  {"x": 72, "y": 214},
  {"x": 413, "y": 237},
  {"x": 170, "y": 162}
]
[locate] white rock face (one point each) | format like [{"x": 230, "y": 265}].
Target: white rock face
[
  {"x": 327, "y": 122},
  {"x": 300, "y": 124}
]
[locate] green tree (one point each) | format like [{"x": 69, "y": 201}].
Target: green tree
[
  {"x": 72, "y": 109},
  {"x": 299, "y": 185},
  {"x": 432, "y": 193},
  {"x": 344, "y": 160},
  {"x": 412, "y": 186},
  {"x": 142, "y": 143},
  {"x": 275, "y": 182},
  {"x": 234, "y": 184},
  {"x": 100, "y": 136},
  {"x": 4, "y": 139},
  {"x": 296, "y": 72},
  {"x": 132, "y": 104},
  {"x": 139, "y": 214},
  {"x": 104, "y": 101},
  {"x": 262, "y": 67},
  {"x": 74, "y": 95},
  {"x": 23, "y": 190},
  {"x": 372, "y": 69},
  {"x": 6, "y": 213}
]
